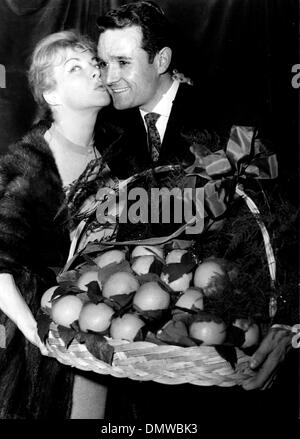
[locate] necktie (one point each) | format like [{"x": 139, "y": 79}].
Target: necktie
[{"x": 153, "y": 135}]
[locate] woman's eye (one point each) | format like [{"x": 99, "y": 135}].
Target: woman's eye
[
  {"x": 124, "y": 63},
  {"x": 75, "y": 68}
]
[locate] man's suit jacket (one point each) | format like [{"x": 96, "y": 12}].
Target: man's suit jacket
[
  {"x": 121, "y": 135},
  {"x": 122, "y": 139}
]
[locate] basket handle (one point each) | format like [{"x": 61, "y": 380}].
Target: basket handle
[
  {"x": 266, "y": 237},
  {"x": 76, "y": 237},
  {"x": 268, "y": 247}
]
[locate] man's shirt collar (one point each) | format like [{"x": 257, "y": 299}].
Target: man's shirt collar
[{"x": 164, "y": 106}]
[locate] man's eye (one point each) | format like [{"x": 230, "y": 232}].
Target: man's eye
[
  {"x": 123, "y": 63},
  {"x": 102, "y": 64}
]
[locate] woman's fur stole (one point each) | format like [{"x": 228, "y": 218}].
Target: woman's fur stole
[{"x": 32, "y": 239}]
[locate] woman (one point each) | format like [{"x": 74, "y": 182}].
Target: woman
[{"x": 65, "y": 78}]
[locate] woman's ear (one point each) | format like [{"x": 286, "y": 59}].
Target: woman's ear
[
  {"x": 163, "y": 59},
  {"x": 51, "y": 97}
]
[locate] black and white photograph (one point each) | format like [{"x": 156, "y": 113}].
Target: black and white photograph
[{"x": 149, "y": 218}]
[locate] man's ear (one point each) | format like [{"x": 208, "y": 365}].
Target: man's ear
[
  {"x": 51, "y": 97},
  {"x": 163, "y": 59}
]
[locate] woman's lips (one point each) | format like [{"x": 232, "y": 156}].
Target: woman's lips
[{"x": 100, "y": 87}]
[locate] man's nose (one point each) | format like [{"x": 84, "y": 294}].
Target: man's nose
[{"x": 112, "y": 74}]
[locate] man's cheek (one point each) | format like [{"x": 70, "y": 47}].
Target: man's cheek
[
  {"x": 103, "y": 77},
  {"x": 109, "y": 90}
]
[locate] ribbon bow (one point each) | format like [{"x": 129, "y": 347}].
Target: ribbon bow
[{"x": 245, "y": 157}]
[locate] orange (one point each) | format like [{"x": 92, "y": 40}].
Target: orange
[
  {"x": 211, "y": 333},
  {"x": 150, "y": 296},
  {"x": 191, "y": 297},
  {"x": 126, "y": 327},
  {"x": 142, "y": 250},
  {"x": 120, "y": 282},
  {"x": 205, "y": 272},
  {"x": 87, "y": 277},
  {"x": 141, "y": 265},
  {"x": 109, "y": 257},
  {"x": 179, "y": 284},
  {"x": 95, "y": 317},
  {"x": 66, "y": 309},
  {"x": 174, "y": 256},
  {"x": 46, "y": 298}
]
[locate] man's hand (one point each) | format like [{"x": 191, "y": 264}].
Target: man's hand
[{"x": 268, "y": 357}]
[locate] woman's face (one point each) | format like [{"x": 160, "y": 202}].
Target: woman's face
[{"x": 78, "y": 82}]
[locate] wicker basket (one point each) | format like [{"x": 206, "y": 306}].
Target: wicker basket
[
  {"x": 167, "y": 364},
  {"x": 145, "y": 361}
]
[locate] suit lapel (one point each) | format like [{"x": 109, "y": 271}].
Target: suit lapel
[
  {"x": 137, "y": 133},
  {"x": 174, "y": 145}
]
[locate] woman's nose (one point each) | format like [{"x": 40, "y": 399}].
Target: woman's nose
[{"x": 96, "y": 73}]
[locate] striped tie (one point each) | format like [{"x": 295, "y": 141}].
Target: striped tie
[{"x": 153, "y": 135}]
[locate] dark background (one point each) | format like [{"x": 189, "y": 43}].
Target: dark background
[{"x": 241, "y": 52}]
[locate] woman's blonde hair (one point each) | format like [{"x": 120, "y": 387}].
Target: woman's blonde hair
[{"x": 44, "y": 58}]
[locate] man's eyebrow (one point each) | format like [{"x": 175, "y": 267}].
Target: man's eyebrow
[
  {"x": 121, "y": 57},
  {"x": 117, "y": 58}
]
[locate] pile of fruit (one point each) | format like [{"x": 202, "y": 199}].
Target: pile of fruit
[{"x": 161, "y": 294}]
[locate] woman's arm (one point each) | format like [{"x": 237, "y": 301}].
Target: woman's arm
[
  {"x": 14, "y": 306},
  {"x": 30, "y": 194}
]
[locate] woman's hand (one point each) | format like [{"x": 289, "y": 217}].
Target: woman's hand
[
  {"x": 29, "y": 330},
  {"x": 14, "y": 306}
]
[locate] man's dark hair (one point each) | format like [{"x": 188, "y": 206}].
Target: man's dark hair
[{"x": 156, "y": 30}]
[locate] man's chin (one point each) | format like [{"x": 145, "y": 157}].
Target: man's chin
[
  {"x": 121, "y": 101},
  {"x": 119, "y": 105}
]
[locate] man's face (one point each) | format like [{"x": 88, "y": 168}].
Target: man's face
[{"x": 131, "y": 80}]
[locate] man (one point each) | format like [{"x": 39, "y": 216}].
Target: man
[
  {"x": 156, "y": 118},
  {"x": 157, "y": 112}
]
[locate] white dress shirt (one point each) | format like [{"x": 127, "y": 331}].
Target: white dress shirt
[{"x": 163, "y": 108}]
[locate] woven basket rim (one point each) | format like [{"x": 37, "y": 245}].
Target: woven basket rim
[{"x": 168, "y": 364}]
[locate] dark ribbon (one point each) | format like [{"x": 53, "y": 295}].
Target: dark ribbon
[{"x": 245, "y": 157}]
